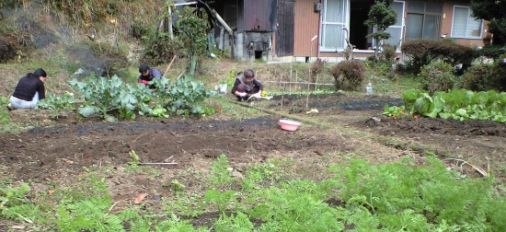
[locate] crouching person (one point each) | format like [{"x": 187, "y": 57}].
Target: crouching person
[
  {"x": 148, "y": 74},
  {"x": 246, "y": 86},
  {"x": 29, "y": 90}
]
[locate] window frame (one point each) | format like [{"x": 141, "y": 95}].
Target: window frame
[
  {"x": 402, "y": 26},
  {"x": 345, "y": 24},
  {"x": 424, "y": 15},
  {"x": 469, "y": 16}
]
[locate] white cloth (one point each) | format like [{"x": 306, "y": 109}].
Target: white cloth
[{"x": 23, "y": 104}]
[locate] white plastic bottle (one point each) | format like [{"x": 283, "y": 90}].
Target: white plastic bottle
[{"x": 369, "y": 89}]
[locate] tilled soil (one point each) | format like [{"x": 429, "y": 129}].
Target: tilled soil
[
  {"x": 481, "y": 143},
  {"x": 46, "y": 153},
  {"x": 325, "y": 102},
  {"x": 439, "y": 126}
]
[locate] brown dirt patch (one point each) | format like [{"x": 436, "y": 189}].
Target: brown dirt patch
[
  {"x": 47, "y": 153},
  {"x": 481, "y": 143},
  {"x": 440, "y": 126},
  {"x": 329, "y": 102}
]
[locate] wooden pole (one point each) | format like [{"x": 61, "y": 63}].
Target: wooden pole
[{"x": 170, "y": 65}]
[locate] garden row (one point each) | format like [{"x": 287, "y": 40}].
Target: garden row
[
  {"x": 355, "y": 196},
  {"x": 455, "y": 104},
  {"x": 112, "y": 99}
]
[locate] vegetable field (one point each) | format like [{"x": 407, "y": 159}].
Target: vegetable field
[
  {"x": 112, "y": 155},
  {"x": 147, "y": 172}
]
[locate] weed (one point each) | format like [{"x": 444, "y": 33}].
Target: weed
[
  {"x": 220, "y": 175},
  {"x": 234, "y": 223},
  {"x": 220, "y": 193},
  {"x": 186, "y": 204},
  {"x": 4, "y": 114},
  {"x": 15, "y": 204}
]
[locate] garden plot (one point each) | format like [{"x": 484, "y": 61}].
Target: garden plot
[
  {"x": 51, "y": 152},
  {"x": 329, "y": 102}
]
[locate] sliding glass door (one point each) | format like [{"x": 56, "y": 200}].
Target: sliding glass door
[
  {"x": 333, "y": 22},
  {"x": 423, "y": 20}
]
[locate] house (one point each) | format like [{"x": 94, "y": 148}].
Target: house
[
  {"x": 263, "y": 29},
  {"x": 320, "y": 26}
]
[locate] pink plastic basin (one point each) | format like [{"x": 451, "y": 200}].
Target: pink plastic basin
[{"x": 288, "y": 125}]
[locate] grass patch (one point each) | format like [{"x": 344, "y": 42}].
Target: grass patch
[{"x": 352, "y": 195}]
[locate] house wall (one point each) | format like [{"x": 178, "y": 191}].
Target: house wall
[
  {"x": 306, "y": 23},
  {"x": 447, "y": 21}
]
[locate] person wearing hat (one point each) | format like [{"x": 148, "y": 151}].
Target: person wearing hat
[
  {"x": 148, "y": 74},
  {"x": 29, "y": 90},
  {"x": 246, "y": 86}
]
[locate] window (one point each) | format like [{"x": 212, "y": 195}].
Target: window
[
  {"x": 395, "y": 30},
  {"x": 423, "y": 20},
  {"x": 464, "y": 25},
  {"x": 333, "y": 22}
]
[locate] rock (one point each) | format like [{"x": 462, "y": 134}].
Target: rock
[
  {"x": 373, "y": 121},
  {"x": 237, "y": 174}
]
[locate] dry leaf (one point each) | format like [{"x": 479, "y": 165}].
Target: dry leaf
[{"x": 140, "y": 198}]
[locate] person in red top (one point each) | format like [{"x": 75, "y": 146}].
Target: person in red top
[
  {"x": 148, "y": 74},
  {"x": 29, "y": 90},
  {"x": 246, "y": 86}
]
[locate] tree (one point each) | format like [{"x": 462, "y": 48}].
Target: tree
[
  {"x": 381, "y": 16},
  {"x": 193, "y": 27},
  {"x": 493, "y": 11}
]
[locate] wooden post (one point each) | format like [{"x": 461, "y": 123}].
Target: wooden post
[
  {"x": 171, "y": 32},
  {"x": 307, "y": 95}
]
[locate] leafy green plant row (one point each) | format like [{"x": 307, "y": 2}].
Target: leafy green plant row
[
  {"x": 355, "y": 196},
  {"x": 455, "y": 104},
  {"x": 111, "y": 98}
]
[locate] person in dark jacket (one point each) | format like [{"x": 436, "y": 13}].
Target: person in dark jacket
[
  {"x": 246, "y": 86},
  {"x": 148, "y": 74},
  {"x": 29, "y": 90}
]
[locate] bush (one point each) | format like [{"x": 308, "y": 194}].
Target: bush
[
  {"x": 475, "y": 78},
  {"x": 423, "y": 52},
  {"x": 388, "y": 53},
  {"x": 159, "y": 47},
  {"x": 485, "y": 77},
  {"x": 493, "y": 51},
  {"x": 348, "y": 75},
  {"x": 7, "y": 50},
  {"x": 437, "y": 76},
  {"x": 316, "y": 69},
  {"x": 138, "y": 29},
  {"x": 114, "y": 58}
]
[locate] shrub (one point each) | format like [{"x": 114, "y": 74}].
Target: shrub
[
  {"x": 138, "y": 29},
  {"x": 348, "y": 75},
  {"x": 159, "y": 47},
  {"x": 485, "y": 77},
  {"x": 493, "y": 51},
  {"x": 476, "y": 77},
  {"x": 316, "y": 69},
  {"x": 388, "y": 53},
  {"x": 437, "y": 76},
  {"x": 423, "y": 52},
  {"x": 113, "y": 58},
  {"x": 7, "y": 50}
]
